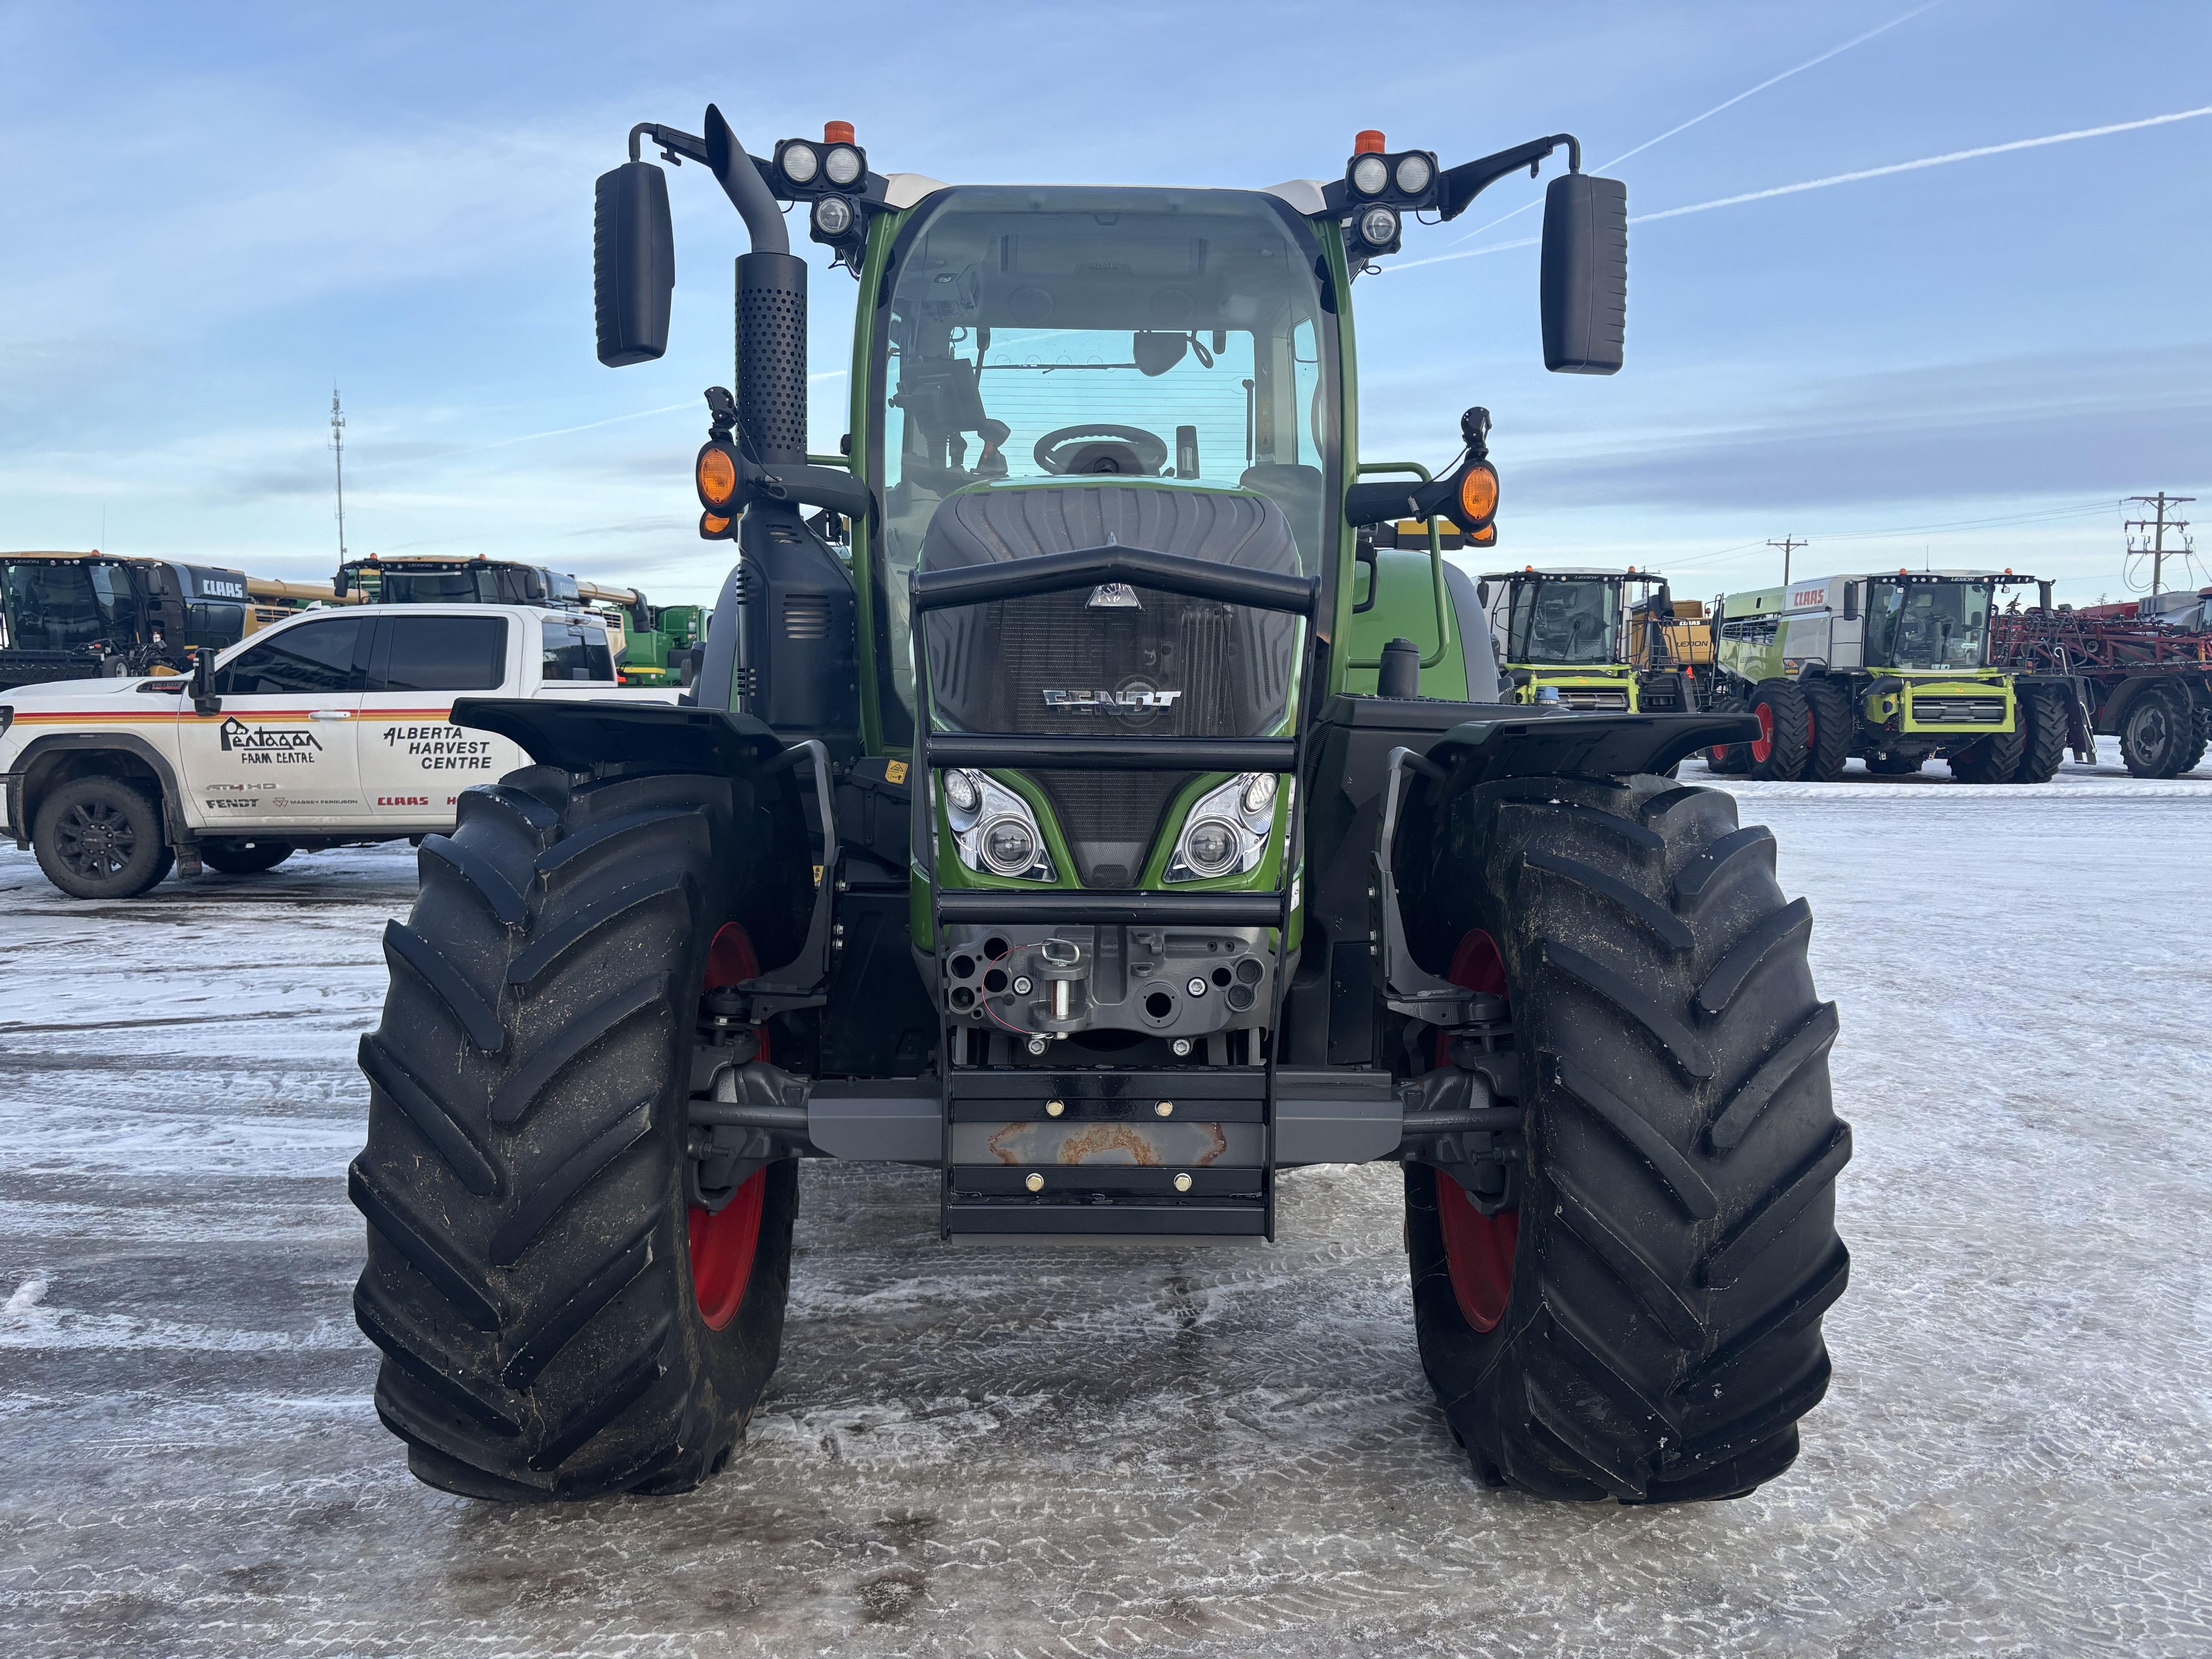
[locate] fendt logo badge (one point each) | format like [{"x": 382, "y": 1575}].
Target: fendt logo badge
[
  {"x": 237, "y": 738},
  {"x": 1106, "y": 702}
]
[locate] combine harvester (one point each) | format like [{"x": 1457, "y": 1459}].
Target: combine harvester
[
  {"x": 1894, "y": 669},
  {"x": 1066, "y": 828},
  {"x": 654, "y": 645},
  {"x": 86, "y": 615}
]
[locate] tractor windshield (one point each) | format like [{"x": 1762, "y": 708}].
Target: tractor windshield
[
  {"x": 1030, "y": 335},
  {"x": 1927, "y": 624},
  {"x": 1568, "y": 620},
  {"x": 63, "y": 607}
]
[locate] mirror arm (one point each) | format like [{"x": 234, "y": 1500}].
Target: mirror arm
[
  {"x": 1458, "y": 186},
  {"x": 676, "y": 148}
]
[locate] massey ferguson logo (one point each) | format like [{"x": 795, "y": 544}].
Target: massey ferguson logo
[
  {"x": 1109, "y": 703},
  {"x": 237, "y": 735}
]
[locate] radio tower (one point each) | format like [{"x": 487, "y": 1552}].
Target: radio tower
[{"x": 338, "y": 456}]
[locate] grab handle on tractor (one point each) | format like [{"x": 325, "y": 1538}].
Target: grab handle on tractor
[{"x": 1442, "y": 600}]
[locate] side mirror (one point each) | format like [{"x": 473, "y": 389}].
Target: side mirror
[
  {"x": 633, "y": 263},
  {"x": 342, "y": 584},
  {"x": 200, "y": 687},
  {"x": 1585, "y": 277}
]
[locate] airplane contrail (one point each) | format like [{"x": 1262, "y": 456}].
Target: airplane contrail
[
  {"x": 1925, "y": 161},
  {"x": 1810, "y": 63},
  {"x": 1844, "y": 179}
]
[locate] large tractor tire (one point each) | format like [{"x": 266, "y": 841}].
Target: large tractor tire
[
  {"x": 1728, "y": 759},
  {"x": 1828, "y": 708},
  {"x": 100, "y": 837},
  {"x": 2199, "y": 739},
  {"x": 2043, "y": 714},
  {"x": 1645, "y": 1325},
  {"x": 1994, "y": 759},
  {"x": 2158, "y": 735},
  {"x": 555, "y": 1321},
  {"x": 1780, "y": 753}
]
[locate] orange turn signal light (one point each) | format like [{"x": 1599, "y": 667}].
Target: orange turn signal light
[
  {"x": 712, "y": 528},
  {"x": 717, "y": 473},
  {"x": 1486, "y": 537},
  {"x": 1477, "y": 495}
]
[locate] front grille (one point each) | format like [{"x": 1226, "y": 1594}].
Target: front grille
[
  {"x": 1584, "y": 698},
  {"x": 1110, "y": 819},
  {"x": 1958, "y": 711}
]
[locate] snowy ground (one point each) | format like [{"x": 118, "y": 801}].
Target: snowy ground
[{"x": 1224, "y": 1451}]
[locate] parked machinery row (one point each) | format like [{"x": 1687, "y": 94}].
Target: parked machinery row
[{"x": 1891, "y": 668}]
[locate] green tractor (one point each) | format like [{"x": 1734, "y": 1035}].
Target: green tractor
[
  {"x": 1892, "y": 669},
  {"x": 1056, "y": 808}
]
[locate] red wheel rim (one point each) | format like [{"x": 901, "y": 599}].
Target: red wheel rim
[
  {"x": 1763, "y": 744},
  {"x": 1479, "y": 1248},
  {"x": 724, "y": 1242}
]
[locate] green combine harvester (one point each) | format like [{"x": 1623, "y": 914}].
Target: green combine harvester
[
  {"x": 1060, "y": 807},
  {"x": 1892, "y": 669},
  {"x": 1564, "y": 635}
]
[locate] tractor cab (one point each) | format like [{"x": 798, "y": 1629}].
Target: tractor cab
[{"x": 1564, "y": 635}]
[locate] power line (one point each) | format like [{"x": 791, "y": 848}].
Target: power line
[
  {"x": 1789, "y": 545},
  {"x": 2156, "y": 552}
]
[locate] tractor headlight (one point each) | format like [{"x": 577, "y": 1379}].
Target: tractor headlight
[
  {"x": 963, "y": 796},
  {"x": 1010, "y": 846},
  {"x": 842, "y": 165},
  {"x": 1370, "y": 173},
  {"x": 1226, "y": 831},
  {"x": 1414, "y": 173},
  {"x": 800, "y": 163},
  {"x": 1378, "y": 226},
  {"x": 995, "y": 828},
  {"x": 833, "y": 215}
]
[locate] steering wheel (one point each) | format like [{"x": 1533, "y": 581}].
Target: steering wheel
[{"x": 1057, "y": 449}]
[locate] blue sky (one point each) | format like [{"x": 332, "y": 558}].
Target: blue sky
[{"x": 212, "y": 214}]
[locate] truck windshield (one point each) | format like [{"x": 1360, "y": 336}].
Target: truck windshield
[
  {"x": 1182, "y": 337},
  {"x": 1927, "y": 624},
  {"x": 1564, "y": 620}
]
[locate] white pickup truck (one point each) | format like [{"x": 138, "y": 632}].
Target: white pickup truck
[{"x": 331, "y": 727}]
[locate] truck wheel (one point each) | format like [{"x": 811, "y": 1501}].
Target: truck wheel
[
  {"x": 1648, "y": 1326},
  {"x": 556, "y": 1321},
  {"x": 1780, "y": 753},
  {"x": 1828, "y": 709},
  {"x": 1994, "y": 759},
  {"x": 244, "y": 858},
  {"x": 2042, "y": 716},
  {"x": 100, "y": 837},
  {"x": 1729, "y": 758},
  {"x": 2160, "y": 729}
]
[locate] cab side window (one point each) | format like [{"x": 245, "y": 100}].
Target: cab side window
[
  {"x": 441, "y": 654},
  {"x": 323, "y": 656},
  {"x": 577, "y": 651}
]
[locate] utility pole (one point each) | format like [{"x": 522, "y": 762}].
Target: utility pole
[
  {"x": 338, "y": 456},
  {"x": 2157, "y": 527},
  {"x": 1788, "y": 544}
]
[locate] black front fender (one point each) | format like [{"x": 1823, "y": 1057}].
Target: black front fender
[
  {"x": 1588, "y": 745},
  {"x": 653, "y": 736}
]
